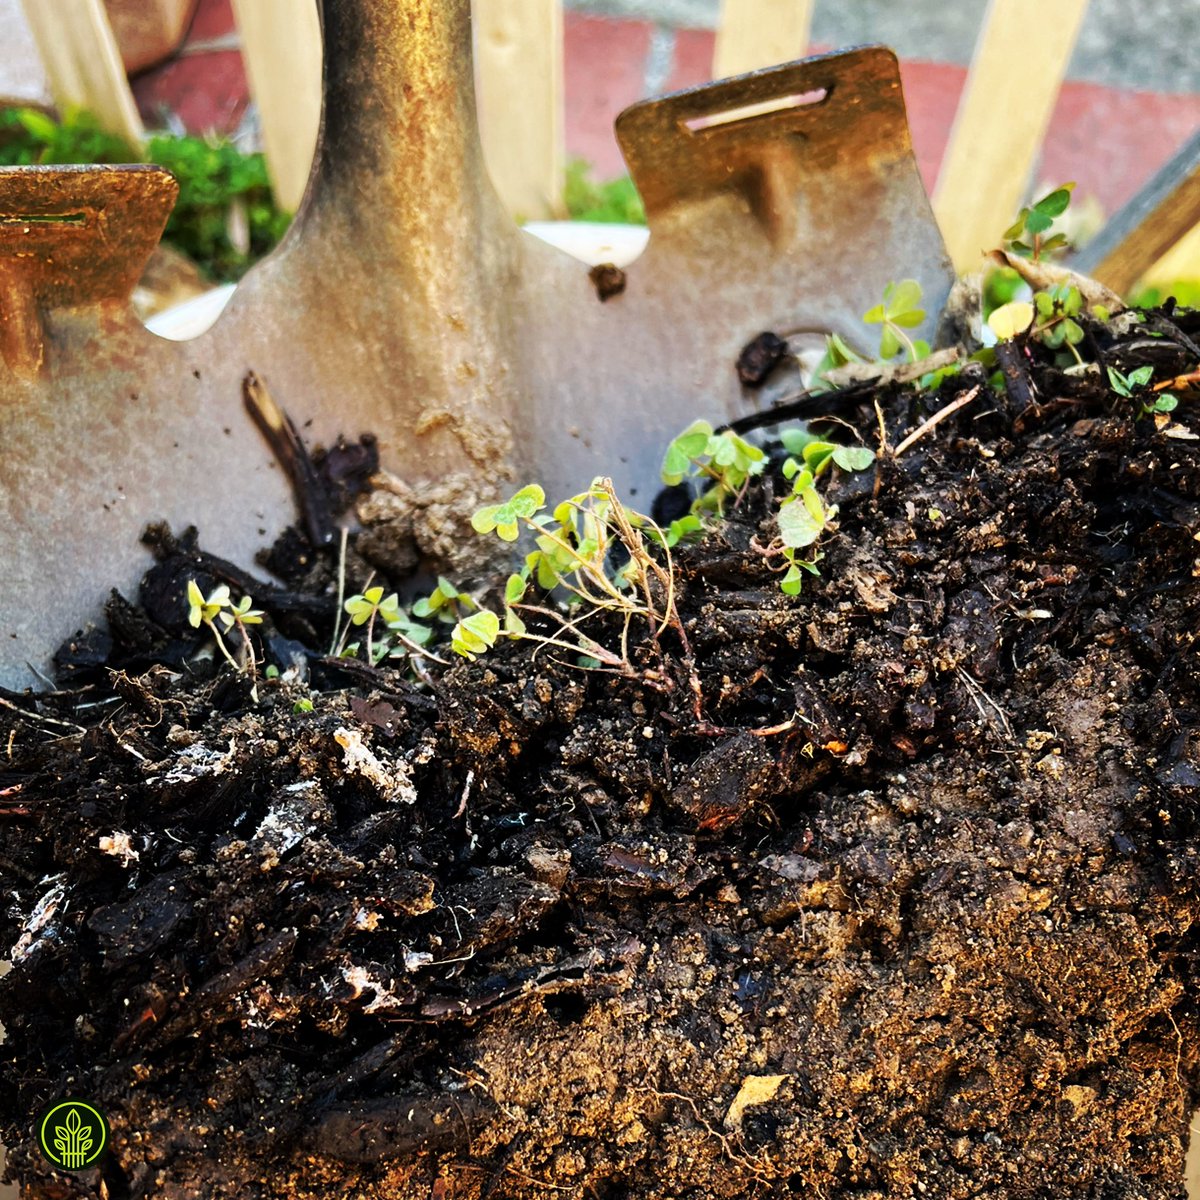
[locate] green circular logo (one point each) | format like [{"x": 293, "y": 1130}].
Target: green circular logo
[{"x": 72, "y": 1134}]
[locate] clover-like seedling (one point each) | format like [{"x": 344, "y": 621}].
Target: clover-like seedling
[
  {"x": 1025, "y": 235},
  {"x": 445, "y": 602},
  {"x": 365, "y": 608},
  {"x": 817, "y": 454},
  {"x": 899, "y": 311},
  {"x": 475, "y": 634},
  {"x": 1160, "y": 403},
  {"x": 1055, "y": 325},
  {"x": 202, "y": 610},
  {"x": 722, "y": 458},
  {"x": 219, "y": 609},
  {"x": 506, "y": 518},
  {"x": 682, "y": 529},
  {"x": 573, "y": 555},
  {"x": 240, "y": 614}
]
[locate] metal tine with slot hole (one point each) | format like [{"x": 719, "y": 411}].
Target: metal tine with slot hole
[{"x": 405, "y": 302}]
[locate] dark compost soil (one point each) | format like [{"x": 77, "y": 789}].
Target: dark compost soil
[{"x": 921, "y": 887}]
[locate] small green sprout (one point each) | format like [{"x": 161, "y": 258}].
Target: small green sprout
[
  {"x": 573, "y": 554},
  {"x": 302, "y": 706},
  {"x": 218, "y": 607},
  {"x": 803, "y": 518},
  {"x": 1055, "y": 325},
  {"x": 445, "y": 602},
  {"x": 803, "y": 515},
  {"x": 817, "y": 454},
  {"x": 1035, "y": 220},
  {"x": 682, "y": 529},
  {"x": 505, "y": 519},
  {"x": 412, "y": 635},
  {"x": 1126, "y": 385},
  {"x": 475, "y": 634},
  {"x": 240, "y": 614},
  {"x": 726, "y": 459},
  {"x": 900, "y": 310},
  {"x": 205, "y": 611},
  {"x": 838, "y": 353},
  {"x": 364, "y": 609}
]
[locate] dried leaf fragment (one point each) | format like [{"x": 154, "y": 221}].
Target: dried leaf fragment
[{"x": 755, "y": 1089}]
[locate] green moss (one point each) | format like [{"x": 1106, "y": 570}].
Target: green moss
[
  {"x": 613, "y": 203},
  {"x": 215, "y": 180}
]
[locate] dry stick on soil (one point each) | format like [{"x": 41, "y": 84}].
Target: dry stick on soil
[
  {"x": 37, "y": 718},
  {"x": 939, "y": 416},
  {"x": 284, "y": 439}
]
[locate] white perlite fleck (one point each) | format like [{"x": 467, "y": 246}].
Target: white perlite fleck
[
  {"x": 393, "y": 785},
  {"x": 120, "y": 845},
  {"x": 42, "y": 915},
  {"x": 361, "y": 980}
]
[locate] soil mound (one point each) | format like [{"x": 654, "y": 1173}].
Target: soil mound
[{"x": 910, "y": 908}]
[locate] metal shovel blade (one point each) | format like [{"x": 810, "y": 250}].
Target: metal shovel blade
[{"x": 405, "y": 302}]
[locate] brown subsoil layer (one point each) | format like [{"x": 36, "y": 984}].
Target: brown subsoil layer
[{"x": 919, "y": 886}]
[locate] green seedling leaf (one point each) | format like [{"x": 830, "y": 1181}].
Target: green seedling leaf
[
  {"x": 791, "y": 583},
  {"x": 853, "y": 458},
  {"x": 1118, "y": 382},
  {"x": 302, "y": 706},
  {"x": 1017, "y": 227},
  {"x": 528, "y": 500},
  {"x": 844, "y": 352},
  {"x": 1044, "y": 303},
  {"x": 514, "y": 589},
  {"x": 874, "y": 316},
  {"x": 1072, "y": 332},
  {"x": 475, "y": 634},
  {"x": 1038, "y": 221},
  {"x": 486, "y": 519},
  {"x": 1166, "y": 403},
  {"x": 795, "y": 438},
  {"x": 363, "y": 608},
  {"x": 889, "y": 344},
  {"x": 722, "y": 449},
  {"x": 691, "y": 444},
  {"x": 1055, "y": 203},
  {"x": 797, "y": 526},
  {"x": 802, "y": 482},
  {"x": 38, "y": 124},
  {"x": 1140, "y": 377},
  {"x": 818, "y": 455},
  {"x": 901, "y": 299},
  {"x": 815, "y": 506}
]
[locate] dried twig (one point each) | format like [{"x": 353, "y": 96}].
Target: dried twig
[
  {"x": 939, "y": 416},
  {"x": 39, "y": 719}
]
